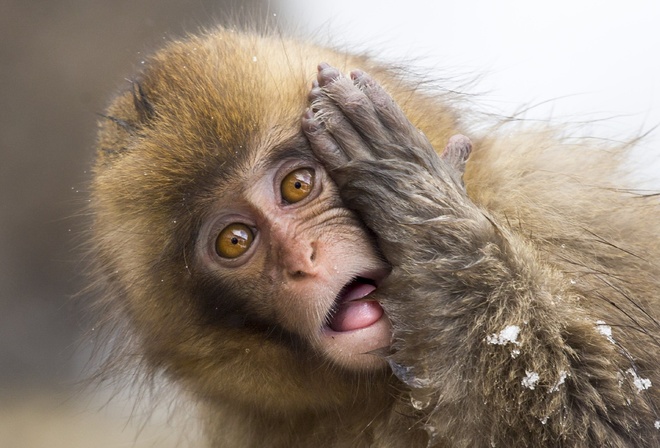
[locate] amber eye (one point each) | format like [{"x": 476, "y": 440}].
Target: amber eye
[
  {"x": 297, "y": 185},
  {"x": 234, "y": 240}
]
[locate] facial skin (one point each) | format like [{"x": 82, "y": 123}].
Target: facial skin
[{"x": 317, "y": 259}]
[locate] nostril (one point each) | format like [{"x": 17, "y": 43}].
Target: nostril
[{"x": 312, "y": 256}]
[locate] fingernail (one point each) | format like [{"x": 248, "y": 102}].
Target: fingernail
[
  {"x": 327, "y": 74},
  {"x": 356, "y": 74}
]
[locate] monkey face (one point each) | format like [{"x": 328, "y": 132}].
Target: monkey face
[
  {"x": 296, "y": 257},
  {"x": 223, "y": 241}
]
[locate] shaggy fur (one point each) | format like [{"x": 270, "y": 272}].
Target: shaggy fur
[{"x": 524, "y": 305}]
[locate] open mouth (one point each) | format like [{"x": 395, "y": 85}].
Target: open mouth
[{"x": 352, "y": 309}]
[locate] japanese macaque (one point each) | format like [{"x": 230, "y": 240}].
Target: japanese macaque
[{"x": 308, "y": 244}]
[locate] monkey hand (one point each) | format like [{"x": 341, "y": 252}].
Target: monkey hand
[{"x": 387, "y": 171}]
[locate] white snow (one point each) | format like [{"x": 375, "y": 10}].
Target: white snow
[
  {"x": 640, "y": 383},
  {"x": 605, "y": 330},
  {"x": 562, "y": 377},
  {"x": 508, "y": 335},
  {"x": 530, "y": 380}
]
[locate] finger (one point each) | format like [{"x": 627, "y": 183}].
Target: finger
[
  {"x": 322, "y": 143},
  {"x": 390, "y": 115},
  {"x": 358, "y": 111},
  {"x": 336, "y": 123},
  {"x": 457, "y": 151}
]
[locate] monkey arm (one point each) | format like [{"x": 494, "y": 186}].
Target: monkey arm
[{"x": 484, "y": 329}]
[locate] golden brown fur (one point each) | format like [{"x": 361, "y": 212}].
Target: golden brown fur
[{"x": 582, "y": 247}]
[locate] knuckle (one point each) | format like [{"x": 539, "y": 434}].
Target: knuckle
[{"x": 357, "y": 102}]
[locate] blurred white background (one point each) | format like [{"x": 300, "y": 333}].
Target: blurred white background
[{"x": 576, "y": 60}]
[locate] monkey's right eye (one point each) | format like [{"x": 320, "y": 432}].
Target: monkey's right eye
[{"x": 234, "y": 240}]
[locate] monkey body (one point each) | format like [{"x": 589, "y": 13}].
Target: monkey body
[{"x": 520, "y": 290}]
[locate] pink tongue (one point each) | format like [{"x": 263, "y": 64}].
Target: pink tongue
[{"x": 353, "y": 315}]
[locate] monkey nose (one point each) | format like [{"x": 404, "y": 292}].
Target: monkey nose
[{"x": 298, "y": 257}]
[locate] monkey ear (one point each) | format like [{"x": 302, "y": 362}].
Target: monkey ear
[
  {"x": 128, "y": 112},
  {"x": 457, "y": 151},
  {"x": 133, "y": 108},
  {"x": 143, "y": 107}
]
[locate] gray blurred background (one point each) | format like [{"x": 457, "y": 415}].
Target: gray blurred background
[{"x": 60, "y": 61}]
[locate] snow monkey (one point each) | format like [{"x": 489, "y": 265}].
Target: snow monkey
[{"x": 322, "y": 253}]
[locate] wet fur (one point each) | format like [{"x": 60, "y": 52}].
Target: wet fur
[{"x": 565, "y": 243}]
